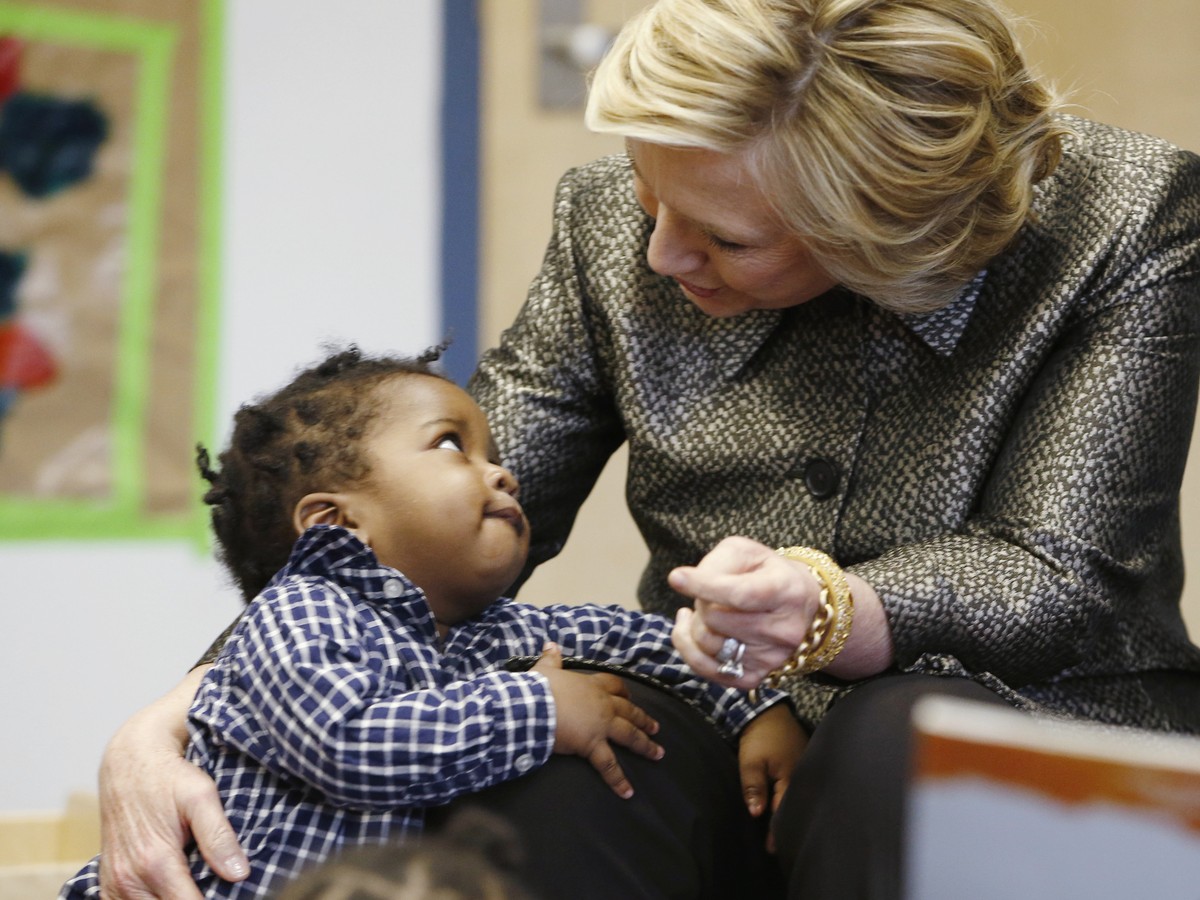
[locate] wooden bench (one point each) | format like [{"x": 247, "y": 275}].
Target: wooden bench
[{"x": 41, "y": 850}]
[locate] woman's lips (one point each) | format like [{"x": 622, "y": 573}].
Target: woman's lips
[{"x": 696, "y": 290}]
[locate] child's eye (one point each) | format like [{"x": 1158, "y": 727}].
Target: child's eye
[{"x": 449, "y": 442}]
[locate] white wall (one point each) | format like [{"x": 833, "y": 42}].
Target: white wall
[{"x": 331, "y": 231}]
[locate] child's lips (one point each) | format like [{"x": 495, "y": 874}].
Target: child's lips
[{"x": 510, "y": 512}]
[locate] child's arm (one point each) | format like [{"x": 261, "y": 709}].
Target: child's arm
[
  {"x": 368, "y": 724},
  {"x": 641, "y": 642},
  {"x": 769, "y": 750},
  {"x": 322, "y": 699}
]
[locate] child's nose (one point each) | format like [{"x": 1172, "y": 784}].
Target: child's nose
[{"x": 503, "y": 480}]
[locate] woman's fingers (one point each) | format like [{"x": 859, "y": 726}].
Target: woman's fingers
[
  {"x": 148, "y": 859},
  {"x": 214, "y": 836},
  {"x": 743, "y": 591},
  {"x": 699, "y": 633},
  {"x": 693, "y": 640},
  {"x": 152, "y": 800},
  {"x": 705, "y": 663},
  {"x": 740, "y": 576},
  {"x": 738, "y": 572},
  {"x": 684, "y": 639}
]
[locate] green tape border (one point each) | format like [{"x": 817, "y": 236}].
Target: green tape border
[{"x": 154, "y": 45}]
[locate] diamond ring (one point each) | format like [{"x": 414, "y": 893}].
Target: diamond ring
[
  {"x": 730, "y": 658},
  {"x": 729, "y": 649}
]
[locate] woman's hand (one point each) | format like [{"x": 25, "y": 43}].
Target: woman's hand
[
  {"x": 745, "y": 590},
  {"x": 768, "y": 751},
  {"x": 593, "y": 709},
  {"x": 152, "y": 800}
]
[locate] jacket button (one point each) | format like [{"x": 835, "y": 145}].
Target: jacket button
[{"x": 821, "y": 478}]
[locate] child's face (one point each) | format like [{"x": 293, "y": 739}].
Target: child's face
[{"x": 437, "y": 505}]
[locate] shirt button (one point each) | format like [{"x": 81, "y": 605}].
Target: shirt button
[
  {"x": 524, "y": 763},
  {"x": 821, "y": 478},
  {"x": 392, "y": 588}
]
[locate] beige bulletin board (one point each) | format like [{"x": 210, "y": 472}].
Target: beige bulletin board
[{"x": 107, "y": 264}]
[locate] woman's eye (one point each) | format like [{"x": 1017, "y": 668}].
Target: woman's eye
[
  {"x": 449, "y": 442},
  {"x": 721, "y": 244}
]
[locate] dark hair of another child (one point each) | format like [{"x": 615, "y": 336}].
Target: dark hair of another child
[
  {"x": 306, "y": 437},
  {"x": 476, "y": 857}
]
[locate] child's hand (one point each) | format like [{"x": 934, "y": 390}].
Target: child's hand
[
  {"x": 592, "y": 710},
  {"x": 769, "y": 749}
]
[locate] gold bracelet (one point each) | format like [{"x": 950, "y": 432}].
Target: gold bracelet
[{"x": 830, "y": 627}]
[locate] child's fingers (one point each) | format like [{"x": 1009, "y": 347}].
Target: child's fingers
[
  {"x": 611, "y": 683},
  {"x": 755, "y": 789},
  {"x": 778, "y": 789},
  {"x": 637, "y": 716},
  {"x": 551, "y": 657},
  {"x": 625, "y": 732},
  {"x": 604, "y": 761}
]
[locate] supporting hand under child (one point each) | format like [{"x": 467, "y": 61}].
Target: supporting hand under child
[{"x": 593, "y": 709}]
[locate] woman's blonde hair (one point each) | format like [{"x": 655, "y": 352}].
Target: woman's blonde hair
[{"x": 899, "y": 139}]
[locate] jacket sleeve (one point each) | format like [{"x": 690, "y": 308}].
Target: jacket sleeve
[
  {"x": 1070, "y": 564},
  {"x": 544, "y": 390}
]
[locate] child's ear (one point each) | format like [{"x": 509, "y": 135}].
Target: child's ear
[{"x": 324, "y": 509}]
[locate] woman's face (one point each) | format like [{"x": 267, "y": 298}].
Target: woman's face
[{"x": 715, "y": 234}]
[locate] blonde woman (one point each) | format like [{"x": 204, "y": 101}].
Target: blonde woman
[{"x": 858, "y": 291}]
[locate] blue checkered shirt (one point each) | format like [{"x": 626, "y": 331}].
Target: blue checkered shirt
[{"x": 335, "y": 715}]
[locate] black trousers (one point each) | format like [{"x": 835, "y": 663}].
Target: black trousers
[
  {"x": 840, "y": 829},
  {"x": 685, "y": 834}
]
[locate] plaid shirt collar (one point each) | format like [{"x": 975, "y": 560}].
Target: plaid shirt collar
[{"x": 330, "y": 551}]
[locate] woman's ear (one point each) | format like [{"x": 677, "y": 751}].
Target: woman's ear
[{"x": 324, "y": 509}]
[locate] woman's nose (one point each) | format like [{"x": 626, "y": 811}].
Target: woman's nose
[{"x": 675, "y": 247}]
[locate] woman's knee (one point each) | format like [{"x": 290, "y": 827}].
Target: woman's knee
[{"x": 839, "y": 831}]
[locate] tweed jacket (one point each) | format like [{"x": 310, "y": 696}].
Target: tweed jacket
[{"x": 1005, "y": 471}]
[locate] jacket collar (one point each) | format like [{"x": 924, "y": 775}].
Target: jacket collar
[{"x": 722, "y": 346}]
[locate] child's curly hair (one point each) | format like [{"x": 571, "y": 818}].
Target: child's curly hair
[
  {"x": 477, "y": 856},
  {"x": 306, "y": 437}
]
